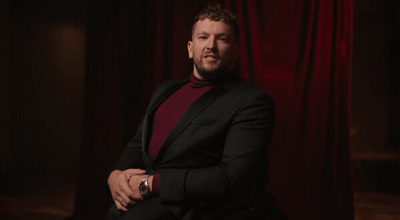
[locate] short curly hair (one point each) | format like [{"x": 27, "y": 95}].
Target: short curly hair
[{"x": 217, "y": 13}]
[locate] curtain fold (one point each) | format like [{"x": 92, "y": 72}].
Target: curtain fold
[{"x": 298, "y": 51}]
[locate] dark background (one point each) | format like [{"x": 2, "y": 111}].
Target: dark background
[{"x": 43, "y": 50}]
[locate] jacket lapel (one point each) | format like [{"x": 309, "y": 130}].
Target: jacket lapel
[
  {"x": 148, "y": 121},
  {"x": 167, "y": 93},
  {"x": 195, "y": 109}
]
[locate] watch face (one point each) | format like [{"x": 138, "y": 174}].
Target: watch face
[{"x": 143, "y": 189}]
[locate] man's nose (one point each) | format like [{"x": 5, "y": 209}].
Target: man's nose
[{"x": 211, "y": 44}]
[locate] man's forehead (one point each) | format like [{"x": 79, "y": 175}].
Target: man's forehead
[
  {"x": 208, "y": 20},
  {"x": 206, "y": 24}
]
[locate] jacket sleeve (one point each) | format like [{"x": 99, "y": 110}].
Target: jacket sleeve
[{"x": 244, "y": 158}]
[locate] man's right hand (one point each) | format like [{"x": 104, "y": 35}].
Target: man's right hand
[{"x": 122, "y": 194}]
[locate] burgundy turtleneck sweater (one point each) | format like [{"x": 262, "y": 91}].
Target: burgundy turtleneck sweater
[{"x": 169, "y": 113}]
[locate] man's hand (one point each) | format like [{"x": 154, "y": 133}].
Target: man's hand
[
  {"x": 124, "y": 186},
  {"x": 134, "y": 183}
]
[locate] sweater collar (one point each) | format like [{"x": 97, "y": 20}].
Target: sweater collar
[{"x": 198, "y": 83}]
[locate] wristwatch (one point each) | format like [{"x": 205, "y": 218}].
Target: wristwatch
[{"x": 144, "y": 188}]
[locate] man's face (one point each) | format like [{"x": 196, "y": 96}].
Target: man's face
[{"x": 213, "y": 49}]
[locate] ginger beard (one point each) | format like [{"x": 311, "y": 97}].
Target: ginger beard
[{"x": 212, "y": 66}]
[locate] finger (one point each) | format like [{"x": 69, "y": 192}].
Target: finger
[
  {"x": 123, "y": 203},
  {"x": 130, "y": 172},
  {"x": 129, "y": 193},
  {"x": 123, "y": 185},
  {"x": 124, "y": 199},
  {"x": 120, "y": 206},
  {"x": 121, "y": 195},
  {"x": 133, "y": 184},
  {"x": 125, "y": 190}
]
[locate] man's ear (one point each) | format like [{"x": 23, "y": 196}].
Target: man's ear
[{"x": 190, "y": 49}]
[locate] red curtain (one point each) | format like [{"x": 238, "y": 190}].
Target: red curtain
[{"x": 298, "y": 51}]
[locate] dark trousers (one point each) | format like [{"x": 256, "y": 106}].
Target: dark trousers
[
  {"x": 147, "y": 210},
  {"x": 154, "y": 210}
]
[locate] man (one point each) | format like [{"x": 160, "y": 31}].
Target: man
[{"x": 201, "y": 150}]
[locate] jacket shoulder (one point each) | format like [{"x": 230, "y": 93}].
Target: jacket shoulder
[{"x": 245, "y": 89}]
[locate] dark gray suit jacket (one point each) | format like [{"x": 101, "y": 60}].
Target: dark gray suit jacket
[{"x": 216, "y": 155}]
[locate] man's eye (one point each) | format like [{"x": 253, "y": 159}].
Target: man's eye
[
  {"x": 203, "y": 37},
  {"x": 222, "y": 39}
]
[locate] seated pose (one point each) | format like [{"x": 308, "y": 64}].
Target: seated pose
[{"x": 201, "y": 149}]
